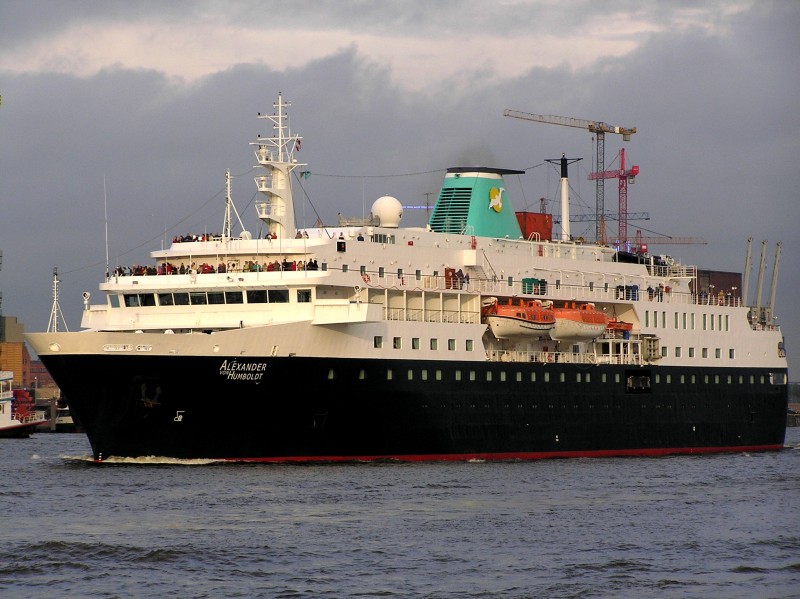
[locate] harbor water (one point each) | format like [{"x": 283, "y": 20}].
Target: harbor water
[{"x": 722, "y": 526}]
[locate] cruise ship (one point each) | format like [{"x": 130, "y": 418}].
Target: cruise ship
[{"x": 479, "y": 336}]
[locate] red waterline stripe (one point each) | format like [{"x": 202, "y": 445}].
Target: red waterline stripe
[{"x": 511, "y": 456}]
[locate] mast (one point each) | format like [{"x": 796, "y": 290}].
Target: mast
[
  {"x": 55, "y": 311},
  {"x": 276, "y": 155},
  {"x": 564, "y": 164},
  {"x": 760, "y": 283},
  {"x": 773, "y": 284},
  {"x": 746, "y": 285}
]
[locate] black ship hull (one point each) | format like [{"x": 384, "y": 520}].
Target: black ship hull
[{"x": 328, "y": 409}]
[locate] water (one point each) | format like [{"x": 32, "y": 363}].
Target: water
[{"x": 690, "y": 526}]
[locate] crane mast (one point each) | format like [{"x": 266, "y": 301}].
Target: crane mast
[{"x": 599, "y": 129}]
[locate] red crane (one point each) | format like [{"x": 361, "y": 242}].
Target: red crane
[{"x": 624, "y": 177}]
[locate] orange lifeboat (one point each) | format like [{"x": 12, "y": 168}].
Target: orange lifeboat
[
  {"x": 619, "y": 325},
  {"x": 509, "y": 319},
  {"x": 578, "y": 322}
]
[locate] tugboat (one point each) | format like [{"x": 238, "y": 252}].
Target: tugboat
[{"x": 18, "y": 418}]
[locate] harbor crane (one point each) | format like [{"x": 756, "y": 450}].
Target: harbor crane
[
  {"x": 599, "y": 130},
  {"x": 624, "y": 176}
]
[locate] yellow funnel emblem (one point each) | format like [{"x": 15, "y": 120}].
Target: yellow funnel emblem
[{"x": 496, "y": 198}]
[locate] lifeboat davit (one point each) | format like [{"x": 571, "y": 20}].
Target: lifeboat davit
[
  {"x": 509, "y": 318},
  {"x": 577, "y": 322}
]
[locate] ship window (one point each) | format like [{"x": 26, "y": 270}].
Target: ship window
[
  {"x": 397, "y": 343},
  {"x": 637, "y": 381},
  {"x": 233, "y": 297},
  {"x": 669, "y": 379},
  {"x": 546, "y": 377},
  {"x": 147, "y": 299},
  {"x": 705, "y": 321},
  {"x": 216, "y": 297},
  {"x": 683, "y": 320},
  {"x": 562, "y": 376},
  {"x": 741, "y": 380},
  {"x": 692, "y": 320},
  {"x": 730, "y": 379},
  {"x": 676, "y": 320},
  {"x": 717, "y": 353},
  {"x": 410, "y": 374},
  {"x": 451, "y": 344},
  {"x": 752, "y": 379},
  {"x": 256, "y": 296},
  {"x": 727, "y": 322},
  {"x": 181, "y": 299},
  {"x": 664, "y": 351},
  {"x": 577, "y": 377},
  {"x": 381, "y": 272},
  {"x": 114, "y": 299},
  {"x": 303, "y": 296},
  {"x": 198, "y": 298},
  {"x": 418, "y": 275},
  {"x": 377, "y": 342},
  {"x": 488, "y": 376},
  {"x": 716, "y": 379},
  {"x": 434, "y": 344},
  {"x": 658, "y": 378},
  {"x": 588, "y": 377},
  {"x": 603, "y": 378},
  {"x": 438, "y": 375},
  {"x": 691, "y": 352},
  {"x": 458, "y": 375},
  {"x": 470, "y": 345},
  {"x": 693, "y": 379},
  {"x": 705, "y": 379},
  {"x": 415, "y": 343},
  {"x": 663, "y": 320},
  {"x": 502, "y": 375},
  {"x": 616, "y": 377},
  {"x": 279, "y": 296},
  {"x": 362, "y": 375},
  {"x": 677, "y": 352},
  {"x": 424, "y": 374},
  {"x": 762, "y": 379},
  {"x": 683, "y": 379},
  {"x": 732, "y": 354},
  {"x": 331, "y": 374},
  {"x": 389, "y": 374},
  {"x": 472, "y": 376},
  {"x": 533, "y": 377},
  {"x": 164, "y": 299},
  {"x": 705, "y": 352},
  {"x": 778, "y": 378},
  {"x": 345, "y": 267},
  {"x": 131, "y": 300}
]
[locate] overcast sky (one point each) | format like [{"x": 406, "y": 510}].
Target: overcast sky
[{"x": 136, "y": 110}]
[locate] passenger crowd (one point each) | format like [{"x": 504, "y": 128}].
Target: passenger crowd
[{"x": 168, "y": 268}]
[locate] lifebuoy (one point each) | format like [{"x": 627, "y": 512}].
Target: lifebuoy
[{"x": 365, "y": 278}]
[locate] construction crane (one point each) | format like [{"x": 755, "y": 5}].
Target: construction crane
[
  {"x": 641, "y": 242},
  {"x": 599, "y": 129},
  {"x": 624, "y": 177}
]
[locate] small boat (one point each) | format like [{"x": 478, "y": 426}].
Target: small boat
[
  {"x": 18, "y": 418},
  {"x": 577, "y": 322},
  {"x": 521, "y": 318},
  {"x": 615, "y": 325}
]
